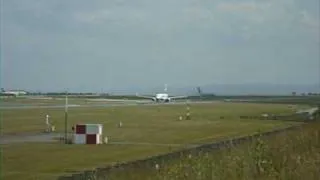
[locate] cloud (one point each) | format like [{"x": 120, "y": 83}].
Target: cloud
[
  {"x": 238, "y": 6},
  {"x": 283, "y": 19},
  {"x": 310, "y": 21},
  {"x": 310, "y": 24},
  {"x": 117, "y": 15},
  {"x": 92, "y": 17},
  {"x": 204, "y": 41},
  {"x": 198, "y": 13}
]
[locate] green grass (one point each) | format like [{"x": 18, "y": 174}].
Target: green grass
[
  {"x": 292, "y": 155},
  {"x": 28, "y": 161},
  {"x": 148, "y": 124}
]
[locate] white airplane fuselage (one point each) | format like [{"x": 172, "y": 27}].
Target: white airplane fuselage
[
  {"x": 13, "y": 93},
  {"x": 162, "y": 97}
]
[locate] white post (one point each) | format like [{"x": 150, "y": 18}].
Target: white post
[
  {"x": 66, "y": 120},
  {"x": 47, "y": 123},
  {"x": 66, "y": 104}
]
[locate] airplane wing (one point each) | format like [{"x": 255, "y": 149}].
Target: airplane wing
[
  {"x": 148, "y": 97},
  {"x": 119, "y": 101},
  {"x": 112, "y": 100},
  {"x": 178, "y": 97}
]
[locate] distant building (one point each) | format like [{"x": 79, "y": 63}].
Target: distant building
[{"x": 12, "y": 92}]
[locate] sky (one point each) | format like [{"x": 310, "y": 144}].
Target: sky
[{"x": 99, "y": 45}]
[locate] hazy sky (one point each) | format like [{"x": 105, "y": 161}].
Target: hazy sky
[{"x": 104, "y": 44}]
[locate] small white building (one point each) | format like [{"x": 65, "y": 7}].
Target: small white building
[{"x": 88, "y": 134}]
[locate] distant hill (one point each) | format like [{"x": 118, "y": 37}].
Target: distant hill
[
  {"x": 234, "y": 89},
  {"x": 255, "y": 89}
]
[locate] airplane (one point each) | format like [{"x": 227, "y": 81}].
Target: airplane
[
  {"x": 12, "y": 93},
  {"x": 162, "y": 97}
]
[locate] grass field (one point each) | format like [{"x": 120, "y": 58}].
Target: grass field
[
  {"x": 293, "y": 155},
  {"x": 141, "y": 124}
]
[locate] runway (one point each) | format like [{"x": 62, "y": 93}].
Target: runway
[
  {"x": 111, "y": 104},
  {"x": 30, "y": 137}
]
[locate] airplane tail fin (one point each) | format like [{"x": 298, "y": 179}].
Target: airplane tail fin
[
  {"x": 165, "y": 88},
  {"x": 199, "y": 90}
]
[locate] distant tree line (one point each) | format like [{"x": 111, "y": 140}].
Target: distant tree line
[{"x": 306, "y": 94}]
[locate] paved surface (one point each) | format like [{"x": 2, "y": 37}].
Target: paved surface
[
  {"x": 36, "y": 137},
  {"x": 137, "y": 103}
]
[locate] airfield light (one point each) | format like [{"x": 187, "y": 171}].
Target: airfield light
[
  {"x": 120, "y": 124},
  {"x": 106, "y": 140},
  {"x": 188, "y": 112}
]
